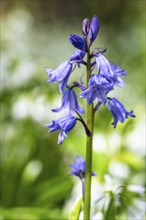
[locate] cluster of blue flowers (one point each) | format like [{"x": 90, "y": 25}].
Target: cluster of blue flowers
[{"x": 107, "y": 76}]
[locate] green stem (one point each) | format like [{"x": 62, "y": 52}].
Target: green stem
[{"x": 90, "y": 123}]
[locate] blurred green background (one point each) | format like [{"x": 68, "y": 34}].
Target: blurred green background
[{"x": 35, "y": 179}]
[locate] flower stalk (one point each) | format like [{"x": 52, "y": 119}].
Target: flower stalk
[{"x": 89, "y": 139}]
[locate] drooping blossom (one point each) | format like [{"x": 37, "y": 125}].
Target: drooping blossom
[
  {"x": 118, "y": 111},
  {"x": 69, "y": 103},
  {"x": 60, "y": 74},
  {"x": 109, "y": 71},
  {"x": 64, "y": 125},
  {"x": 79, "y": 168},
  {"x": 98, "y": 87}
]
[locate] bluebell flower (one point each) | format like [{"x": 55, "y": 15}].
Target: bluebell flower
[
  {"x": 85, "y": 27},
  {"x": 118, "y": 111},
  {"x": 60, "y": 74},
  {"x": 98, "y": 87},
  {"x": 69, "y": 103},
  {"x": 64, "y": 125},
  {"x": 79, "y": 168},
  {"x": 78, "y": 55},
  {"x": 111, "y": 72},
  {"x": 94, "y": 29},
  {"x": 78, "y": 42}
]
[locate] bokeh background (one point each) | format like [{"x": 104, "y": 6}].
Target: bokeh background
[{"x": 35, "y": 174}]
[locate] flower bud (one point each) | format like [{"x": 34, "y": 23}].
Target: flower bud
[
  {"x": 94, "y": 28},
  {"x": 85, "y": 27},
  {"x": 78, "y": 42}
]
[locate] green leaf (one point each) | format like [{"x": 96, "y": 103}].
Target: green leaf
[
  {"x": 110, "y": 213},
  {"x": 75, "y": 210}
]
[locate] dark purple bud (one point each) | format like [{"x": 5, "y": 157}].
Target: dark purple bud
[
  {"x": 78, "y": 42},
  {"x": 85, "y": 27},
  {"x": 94, "y": 28}
]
